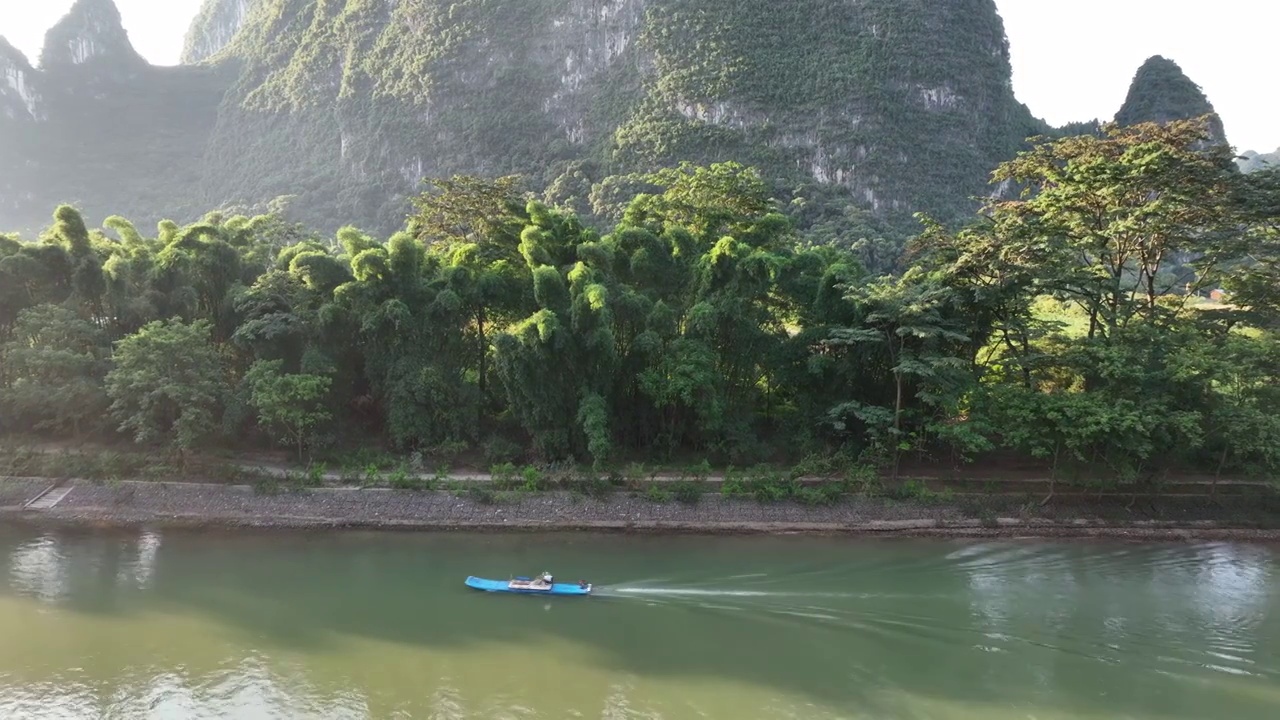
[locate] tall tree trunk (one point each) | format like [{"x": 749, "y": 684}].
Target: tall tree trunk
[
  {"x": 1222, "y": 463},
  {"x": 1053, "y": 474},
  {"x": 897, "y": 426},
  {"x": 483, "y": 366}
]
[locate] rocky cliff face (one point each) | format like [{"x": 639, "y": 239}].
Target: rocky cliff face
[
  {"x": 18, "y": 98},
  {"x": 896, "y": 106},
  {"x": 19, "y": 107},
  {"x": 213, "y": 29},
  {"x": 91, "y": 31}
]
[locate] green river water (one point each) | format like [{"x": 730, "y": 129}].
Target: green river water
[{"x": 179, "y": 625}]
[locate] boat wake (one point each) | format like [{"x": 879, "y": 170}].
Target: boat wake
[{"x": 720, "y": 593}]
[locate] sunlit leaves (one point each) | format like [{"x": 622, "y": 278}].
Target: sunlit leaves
[{"x": 167, "y": 384}]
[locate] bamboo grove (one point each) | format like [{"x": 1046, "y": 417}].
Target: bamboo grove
[{"x": 1069, "y": 323}]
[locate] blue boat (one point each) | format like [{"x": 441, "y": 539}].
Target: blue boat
[{"x": 544, "y": 584}]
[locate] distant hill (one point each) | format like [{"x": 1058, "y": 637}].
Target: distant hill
[
  {"x": 1252, "y": 161},
  {"x": 1161, "y": 92}
]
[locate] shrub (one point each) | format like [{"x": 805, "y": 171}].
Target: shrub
[
  {"x": 689, "y": 492},
  {"x": 315, "y": 475},
  {"x": 402, "y": 479},
  {"x": 267, "y": 486},
  {"x": 768, "y": 486},
  {"x": 532, "y": 479},
  {"x": 504, "y": 476},
  {"x": 733, "y": 485},
  {"x": 481, "y": 494},
  {"x": 657, "y": 494}
]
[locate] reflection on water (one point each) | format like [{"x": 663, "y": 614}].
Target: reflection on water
[
  {"x": 39, "y": 568},
  {"x": 181, "y": 625}
]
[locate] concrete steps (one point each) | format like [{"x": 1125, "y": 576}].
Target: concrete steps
[{"x": 49, "y": 498}]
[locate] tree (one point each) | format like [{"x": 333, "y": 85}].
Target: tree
[
  {"x": 1063, "y": 324},
  {"x": 907, "y": 318},
  {"x": 56, "y": 363},
  {"x": 290, "y": 406},
  {"x": 1255, "y": 286},
  {"x": 167, "y": 384},
  {"x": 466, "y": 209},
  {"x": 1117, "y": 224},
  {"x": 557, "y": 365}
]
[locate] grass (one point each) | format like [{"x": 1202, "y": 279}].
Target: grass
[
  {"x": 110, "y": 465},
  {"x": 766, "y": 485}
]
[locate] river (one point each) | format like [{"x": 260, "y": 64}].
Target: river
[{"x": 177, "y": 625}]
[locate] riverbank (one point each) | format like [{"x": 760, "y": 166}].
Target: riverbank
[{"x": 142, "y": 503}]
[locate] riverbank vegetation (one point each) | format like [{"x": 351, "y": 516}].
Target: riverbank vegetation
[{"x": 1116, "y": 320}]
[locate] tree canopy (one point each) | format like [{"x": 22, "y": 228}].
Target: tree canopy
[{"x": 1117, "y": 317}]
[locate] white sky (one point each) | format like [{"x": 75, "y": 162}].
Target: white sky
[{"x": 1072, "y": 59}]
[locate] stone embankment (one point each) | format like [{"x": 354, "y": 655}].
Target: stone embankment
[{"x": 208, "y": 505}]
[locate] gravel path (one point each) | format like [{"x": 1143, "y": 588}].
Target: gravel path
[{"x": 132, "y": 503}]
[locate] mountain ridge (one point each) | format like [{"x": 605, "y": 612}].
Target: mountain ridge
[
  {"x": 891, "y": 107},
  {"x": 91, "y": 29}
]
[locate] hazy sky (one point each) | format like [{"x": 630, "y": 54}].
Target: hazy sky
[{"x": 1072, "y": 59}]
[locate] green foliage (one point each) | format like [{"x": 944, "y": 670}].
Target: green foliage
[
  {"x": 402, "y": 478},
  {"x": 480, "y": 494},
  {"x": 167, "y": 384},
  {"x": 289, "y": 405},
  {"x": 532, "y": 480},
  {"x": 688, "y": 492},
  {"x": 501, "y": 451},
  {"x": 1129, "y": 227},
  {"x": 88, "y": 464},
  {"x": 826, "y": 494},
  {"x": 1067, "y": 326},
  {"x": 656, "y": 493},
  {"x": 54, "y": 364},
  {"x": 918, "y": 491},
  {"x": 315, "y": 475},
  {"x": 505, "y": 476},
  {"x": 590, "y": 485},
  {"x": 268, "y": 486}
]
